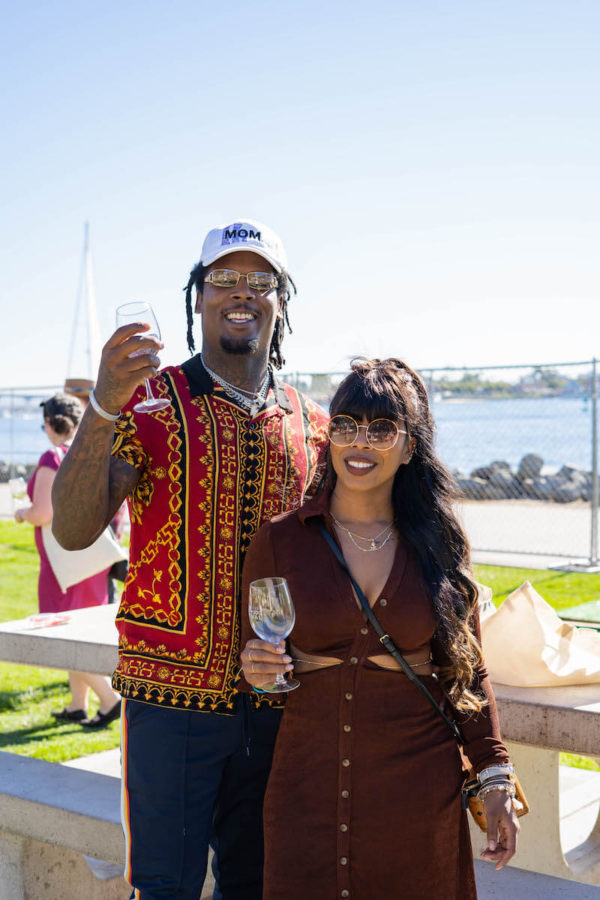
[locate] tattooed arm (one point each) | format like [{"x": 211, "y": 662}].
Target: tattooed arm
[{"x": 90, "y": 484}]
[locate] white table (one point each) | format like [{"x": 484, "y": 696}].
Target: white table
[
  {"x": 552, "y": 718},
  {"x": 87, "y": 643},
  {"x": 565, "y": 718}
]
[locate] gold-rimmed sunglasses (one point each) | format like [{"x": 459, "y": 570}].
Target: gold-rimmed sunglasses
[
  {"x": 381, "y": 434},
  {"x": 229, "y": 278}
]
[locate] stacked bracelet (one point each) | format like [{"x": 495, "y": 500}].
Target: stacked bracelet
[
  {"x": 506, "y": 786},
  {"x": 102, "y": 412},
  {"x": 497, "y": 778}
]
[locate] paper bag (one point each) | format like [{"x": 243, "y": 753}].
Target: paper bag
[{"x": 526, "y": 644}]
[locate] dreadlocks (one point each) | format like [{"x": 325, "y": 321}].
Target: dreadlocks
[{"x": 197, "y": 276}]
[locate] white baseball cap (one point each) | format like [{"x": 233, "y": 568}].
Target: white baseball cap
[{"x": 246, "y": 234}]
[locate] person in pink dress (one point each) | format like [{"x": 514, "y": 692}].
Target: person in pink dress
[{"x": 62, "y": 415}]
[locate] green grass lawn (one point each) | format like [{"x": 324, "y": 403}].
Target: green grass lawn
[
  {"x": 560, "y": 589},
  {"x": 29, "y": 694}
]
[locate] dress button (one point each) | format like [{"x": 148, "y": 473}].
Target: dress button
[
  {"x": 345, "y": 893},
  {"x": 343, "y": 860},
  {"x": 348, "y": 696},
  {"x": 347, "y": 728},
  {"x": 353, "y": 660},
  {"x": 383, "y": 602},
  {"x": 364, "y": 630},
  {"x": 345, "y": 794},
  {"x": 343, "y": 827}
]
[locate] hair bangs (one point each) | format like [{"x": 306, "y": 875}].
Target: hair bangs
[{"x": 368, "y": 397}]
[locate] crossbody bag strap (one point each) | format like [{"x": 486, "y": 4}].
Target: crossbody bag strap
[{"x": 386, "y": 640}]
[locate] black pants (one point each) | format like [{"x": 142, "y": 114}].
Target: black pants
[{"x": 189, "y": 777}]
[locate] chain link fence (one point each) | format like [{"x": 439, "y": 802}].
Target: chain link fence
[{"x": 522, "y": 442}]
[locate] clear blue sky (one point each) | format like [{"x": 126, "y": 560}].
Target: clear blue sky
[{"x": 433, "y": 169}]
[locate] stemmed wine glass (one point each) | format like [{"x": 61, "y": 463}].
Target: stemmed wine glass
[
  {"x": 139, "y": 311},
  {"x": 272, "y": 617},
  {"x": 18, "y": 490}
]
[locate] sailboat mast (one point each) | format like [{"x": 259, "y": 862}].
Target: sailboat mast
[
  {"x": 84, "y": 349},
  {"x": 93, "y": 334}
]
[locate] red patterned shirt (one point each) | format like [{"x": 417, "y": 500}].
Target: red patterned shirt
[{"x": 210, "y": 476}]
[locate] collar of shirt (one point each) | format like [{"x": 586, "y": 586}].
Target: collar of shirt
[
  {"x": 317, "y": 505},
  {"x": 200, "y": 383}
]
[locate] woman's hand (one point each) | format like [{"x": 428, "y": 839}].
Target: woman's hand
[
  {"x": 502, "y": 828},
  {"x": 262, "y": 662}
]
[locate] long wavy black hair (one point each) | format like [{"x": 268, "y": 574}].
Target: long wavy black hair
[
  {"x": 422, "y": 495},
  {"x": 284, "y": 281}
]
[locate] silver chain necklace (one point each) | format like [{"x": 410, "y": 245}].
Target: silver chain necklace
[
  {"x": 374, "y": 546},
  {"x": 253, "y": 402}
]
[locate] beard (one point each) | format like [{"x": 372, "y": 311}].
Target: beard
[{"x": 239, "y": 346}]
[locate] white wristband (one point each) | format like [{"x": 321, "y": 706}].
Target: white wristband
[
  {"x": 504, "y": 770},
  {"x": 102, "y": 412}
]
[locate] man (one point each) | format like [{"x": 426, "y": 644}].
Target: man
[{"x": 233, "y": 448}]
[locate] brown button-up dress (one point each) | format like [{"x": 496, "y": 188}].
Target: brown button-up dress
[{"x": 363, "y": 801}]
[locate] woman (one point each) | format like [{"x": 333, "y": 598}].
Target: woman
[
  {"x": 364, "y": 767},
  {"x": 62, "y": 415}
]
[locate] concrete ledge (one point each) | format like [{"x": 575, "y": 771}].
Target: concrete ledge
[
  {"x": 60, "y": 805},
  {"x": 558, "y": 718},
  {"x": 521, "y": 885},
  {"x": 41, "y": 871},
  {"x": 75, "y": 809}
]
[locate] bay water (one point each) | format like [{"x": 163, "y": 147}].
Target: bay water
[{"x": 470, "y": 433}]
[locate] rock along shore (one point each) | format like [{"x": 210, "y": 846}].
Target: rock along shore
[
  {"x": 530, "y": 481},
  {"x": 496, "y": 481}
]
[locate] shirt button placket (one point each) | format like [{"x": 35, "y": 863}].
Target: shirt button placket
[{"x": 344, "y": 823}]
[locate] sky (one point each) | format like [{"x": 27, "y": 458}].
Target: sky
[{"x": 432, "y": 169}]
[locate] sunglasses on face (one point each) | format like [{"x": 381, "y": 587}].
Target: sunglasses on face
[
  {"x": 229, "y": 278},
  {"x": 381, "y": 434}
]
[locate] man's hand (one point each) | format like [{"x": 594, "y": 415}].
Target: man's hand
[
  {"x": 128, "y": 358},
  {"x": 90, "y": 484}
]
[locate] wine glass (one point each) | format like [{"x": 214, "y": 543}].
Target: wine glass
[
  {"x": 18, "y": 490},
  {"x": 139, "y": 311},
  {"x": 272, "y": 617}
]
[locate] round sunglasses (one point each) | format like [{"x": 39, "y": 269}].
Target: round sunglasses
[{"x": 381, "y": 434}]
